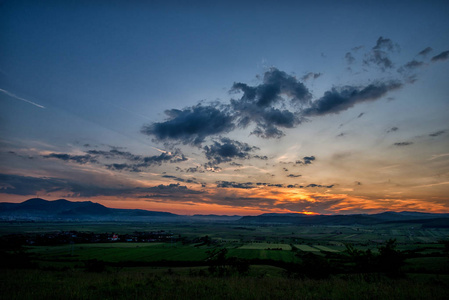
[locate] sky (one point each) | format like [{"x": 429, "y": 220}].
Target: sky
[{"x": 233, "y": 107}]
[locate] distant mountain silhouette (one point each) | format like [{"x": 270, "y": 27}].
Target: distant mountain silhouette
[
  {"x": 425, "y": 219},
  {"x": 62, "y": 209},
  {"x": 40, "y": 209}
]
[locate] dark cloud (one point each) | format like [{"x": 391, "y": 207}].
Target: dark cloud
[
  {"x": 194, "y": 170},
  {"x": 442, "y": 56},
  {"x": 237, "y": 185},
  {"x": 191, "y": 125},
  {"x": 313, "y": 185},
  {"x": 340, "y": 99},
  {"x": 349, "y": 58},
  {"x": 275, "y": 84},
  {"x": 411, "y": 65},
  {"x": 226, "y": 150},
  {"x": 392, "y": 129},
  {"x": 306, "y": 160},
  {"x": 379, "y": 53},
  {"x": 134, "y": 163},
  {"x": 264, "y": 105},
  {"x": 171, "y": 191},
  {"x": 188, "y": 180},
  {"x": 437, "y": 133},
  {"x": 425, "y": 51},
  {"x": 79, "y": 159},
  {"x": 293, "y": 175},
  {"x": 262, "y": 157},
  {"x": 360, "y": 115},
  {"x": 400, "y": 144},
  {"x": 319, "y": 204},
  {"x": 311, "y": 75},
  {"x": 26, "y": 185},
  {"x": 123, "y": 167},
  {"x": 384, "y": 44}
]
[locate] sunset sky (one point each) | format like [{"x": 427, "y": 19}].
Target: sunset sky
[{"x": 243, "y": 107}]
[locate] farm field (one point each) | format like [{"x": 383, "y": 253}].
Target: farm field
[{"x": 201, "y": 255}]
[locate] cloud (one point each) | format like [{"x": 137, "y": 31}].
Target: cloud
[
  {"x": 379, "y": 53},
  {"x": 171, "y": 191},
  {"x": 318, "y": 204},
  {"x": 275, "y": 83},
  {"x": 265, "y": 104},
  {"x": 134, "y": 163},
  {"x": 189, "y": 180},
  {"x": 392, "y": 129},
  {"x": 236, "y": 185},
  {"x": 340, "y": 99},
  {"x": 400, "y": 144},
  {"x": 226, "y": 150},
  {"x": 26, "y": 185},
  {"x": 425, "y": 51},
  {"x": 80, "y": 159},
  {"x": 123, "y": 167},
  {"x": 311, "y": 75},
  {"x": 437, "y": 133},
  {"x": 442, "y": 56},
  {"x": 411, "y": 65},
  {"x": 349, "y": 58},
  {"x": 313, "y": 185},
  {"x": 307, "y": 160},
  {"x": 191, "y": 125},
  {"x": 293, "y": 175}
]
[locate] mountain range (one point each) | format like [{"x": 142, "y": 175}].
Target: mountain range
[{"x": 64, "y": 210}]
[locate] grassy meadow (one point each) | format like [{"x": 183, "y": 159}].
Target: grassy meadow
[{"x": 224, "y": 261}]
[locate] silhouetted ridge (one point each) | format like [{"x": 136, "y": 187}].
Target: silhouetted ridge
[{"x": 37, "y": 208}]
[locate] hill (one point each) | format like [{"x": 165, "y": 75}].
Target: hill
[{"x": 61, "y": 209}]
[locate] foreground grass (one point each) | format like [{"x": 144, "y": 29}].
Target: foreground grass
[{"x": 141, "y": 283}]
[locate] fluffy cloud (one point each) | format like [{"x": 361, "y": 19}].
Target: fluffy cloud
[
  {"x": 340, "y": 99},
  {"x": 442, "y": 56},
  {"x": 306, "y": 160},
  {"x": 379, "y": 54},
  {"x": 191, "y": 125},
  {"x": 134, "y": 163},
  {"x": 80, "y": 159},
  {"x": 425, "y": 51},
  {"x": 225, "y": 150}
]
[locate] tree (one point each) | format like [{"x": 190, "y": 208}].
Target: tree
[{"x": 390, "y": 260}]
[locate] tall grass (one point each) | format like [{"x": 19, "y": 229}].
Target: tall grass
[{"x": 141, "y": 284}]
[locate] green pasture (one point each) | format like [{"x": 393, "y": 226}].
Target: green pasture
[
  {"x": 307, "y": 248},
  {"x": 111, "y": 252},
  {"x": 277, "y": 255},
  {"x": 266, "y": 246},
  {"x": 324, "y": 248}
]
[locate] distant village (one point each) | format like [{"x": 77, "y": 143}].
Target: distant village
[{"x": 77, "y": 237}]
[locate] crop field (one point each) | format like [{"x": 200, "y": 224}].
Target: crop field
[
  {"x": 275, "y": 255},
  {"x": 307, "y": 248},
  {"x": 116, "y": 252},
  {"x": 266, "y": 246}
]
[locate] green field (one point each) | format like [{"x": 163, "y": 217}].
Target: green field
[
  {"x": 310, "y": 262},
  {"x": 307, "y": 248},
  {"x": 262, "y": 246},
  {"x": 116, "y": 252}
]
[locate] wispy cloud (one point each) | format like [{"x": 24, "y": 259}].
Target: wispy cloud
[{"x": 20, "y": 98}]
